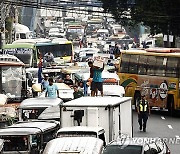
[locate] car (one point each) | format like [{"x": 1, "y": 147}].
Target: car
[{"x": 137, "y": 145}]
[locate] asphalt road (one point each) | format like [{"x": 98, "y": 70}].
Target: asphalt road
[{"x": 161, "y": 125}]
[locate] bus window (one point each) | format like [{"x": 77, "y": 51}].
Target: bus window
[
  {"x": 172, "y": 67},
  {"x": 133, "y": 64},
  {"x": 142, "y": 65},
  {"x": 160, "y": 66},
  {"x": 151, "y": 65},
  {"x": 125, "y": 63}
]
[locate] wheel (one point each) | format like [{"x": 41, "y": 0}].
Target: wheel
[{"x": 137, "y": 97}]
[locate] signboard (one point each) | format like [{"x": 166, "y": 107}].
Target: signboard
[{"x": 18, "y": 51}]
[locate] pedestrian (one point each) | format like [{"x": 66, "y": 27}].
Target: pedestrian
[
  {"x": 143, "y": 110},
  {"x": 77, "y": 93},
  {"x": 97, "y": 80},
  {"x": 45, "y": 82},
  {"x": 90, "y": 63},
  {"x": 49, "y": 57},
  {"x": 51, "y": 90},
  {"x": 116, "y": 51},
  {"x": 109, "y": 63},
  {"x": 68, "y": 80}
]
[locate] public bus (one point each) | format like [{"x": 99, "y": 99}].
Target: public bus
[
  {"x": 62, "y": 50},
  {"x": 28, "y": 50},
  {"x": 154, "y": 72},
  {"x": 12, "y": 79}
]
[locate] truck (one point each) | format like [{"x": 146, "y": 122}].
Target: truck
[
  {"x": 114, "y": 114},
  {"x": 74, "y": 145}
]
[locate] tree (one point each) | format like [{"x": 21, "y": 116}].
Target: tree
[{"x": 162, "y": 16}]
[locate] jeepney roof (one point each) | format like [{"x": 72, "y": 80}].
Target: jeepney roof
[
  {"x": 39, "y": 102},
  {"x": 81, "y": 128},
  {"x": 27, "y": 128},
  {"x": 74, "y": 69},
  {"x": 113, "y": 90},
  {"x": 96, "y": 101},
  {"x": 52, "y": 112},
  {"x": 79, "y": 145},
  {"x": 105, "y": 75}
]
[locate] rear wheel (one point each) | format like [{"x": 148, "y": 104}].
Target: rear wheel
[{"x": 137, "y": 98}]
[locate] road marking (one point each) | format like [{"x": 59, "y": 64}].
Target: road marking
[
  {"x": 177, "y": 136},
  {"x": 170, "y": 127},
  {"x": 163, "y": 118}
]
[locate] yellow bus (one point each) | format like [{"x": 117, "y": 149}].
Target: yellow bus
[{"x": 155, "y": 72}]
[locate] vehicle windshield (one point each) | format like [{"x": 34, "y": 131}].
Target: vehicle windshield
[
  {"x": 123, "y": 149},
  {"x": 12, "y": 81},
  {"x": 23, "y": 54},
  {"x": 58, "y": 50},
  {"x": 31, "y": 113},
  {"x": 15, "y": 143},
  {"x": 77, "y": 134}
]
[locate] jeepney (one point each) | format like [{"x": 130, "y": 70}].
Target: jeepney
[
  {"x": 74, "y": 145},
  {"x": 31, "y": 108},
  {"x": 65, "y": 92},
  {"x": 28, "y": 137},
  {"x": 82, "y": 131}
]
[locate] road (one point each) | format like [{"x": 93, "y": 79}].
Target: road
[{"x": 161, "y": 125}]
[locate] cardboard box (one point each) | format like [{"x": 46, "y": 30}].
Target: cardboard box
[{"x": 98, "y": 62}]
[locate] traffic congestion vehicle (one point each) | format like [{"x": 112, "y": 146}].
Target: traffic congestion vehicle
[
  {"x": 12, "y": 79},
  {"x": 31, "y": 108},
  {"x": 72, "y": 145},
  {"x": 137, "y": 145},
  {"x": 28, "y": 137},
  {"x": 82, "y": 131},
  {"x": 154, "y": 72},
  {"x": 30, "y": 50},
  {"x": 107, "y": 112}
]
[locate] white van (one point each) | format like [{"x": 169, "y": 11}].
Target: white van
[{"x": 74, "y": 145}]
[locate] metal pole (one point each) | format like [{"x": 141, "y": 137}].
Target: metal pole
[{"x": 0, "y": 40}]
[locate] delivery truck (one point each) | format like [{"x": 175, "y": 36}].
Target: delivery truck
[{"x": 114, "y": 114}]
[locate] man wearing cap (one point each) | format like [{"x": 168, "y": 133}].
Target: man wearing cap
[
  {"x": 45, "y": 82},
  {"x": 143, "y": 110}
]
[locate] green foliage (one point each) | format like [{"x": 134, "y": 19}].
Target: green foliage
[{"x": 162, "y": 16}]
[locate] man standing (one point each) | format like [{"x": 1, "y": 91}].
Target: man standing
[
  {"x": 90, "y": 63},
  {"x": 77, "y": 93},
  {"x": 97, "y": 80},
  {"x": 51, "y": 90},
  {"x": 45, "y": 82},
  {"x": 116, "y": 51},
  {"x": 143, "y": 110}
]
